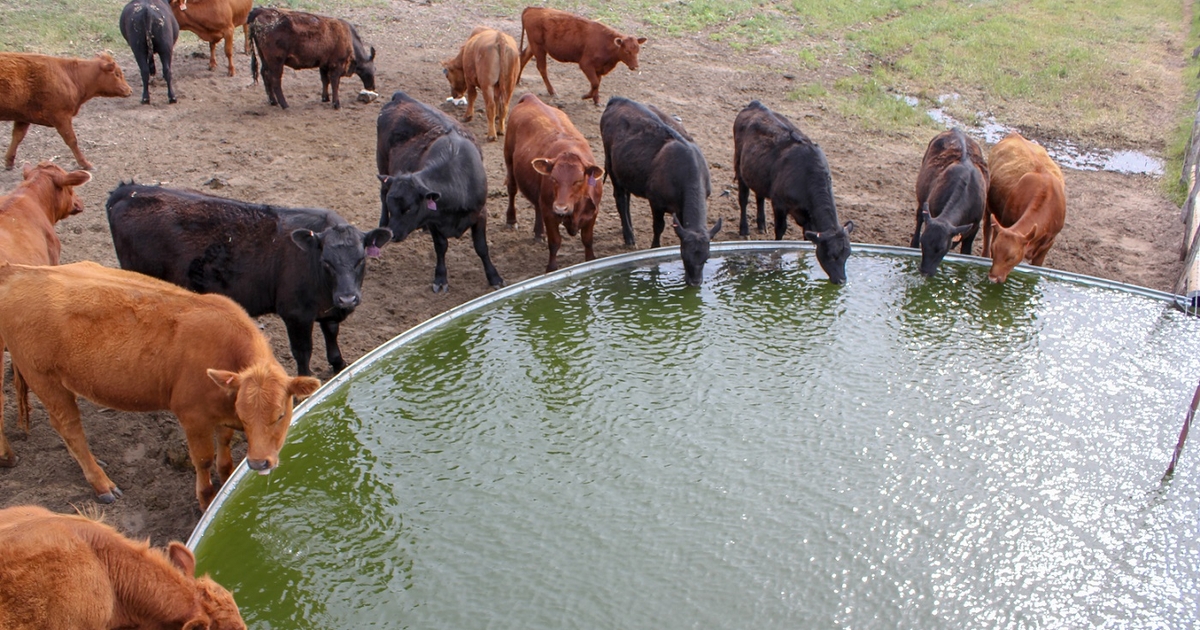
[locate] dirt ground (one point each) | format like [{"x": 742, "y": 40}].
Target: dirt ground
[{"x": 223, "y": 138}]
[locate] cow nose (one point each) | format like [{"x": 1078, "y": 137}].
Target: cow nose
[
  {"x": 347, "y": 301},
  {"x": 561, "y": 210},
  {"x": 263, "y": 466}
]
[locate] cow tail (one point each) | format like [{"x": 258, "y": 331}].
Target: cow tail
[
  {"x": 521, "y": 44},
  {"x": 21, "y": 388},
  {"x": 149, "y": 28},
  {"x": 253, "y": 57}
]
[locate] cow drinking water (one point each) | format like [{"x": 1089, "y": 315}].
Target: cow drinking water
[
  {"x": 775, "y": 160},
  {"x": 951, "y": 197},
  {"x": 1026, "y": 205},
  {"x": 648, "y": 154},
  {"x": 305, "y": 264}
]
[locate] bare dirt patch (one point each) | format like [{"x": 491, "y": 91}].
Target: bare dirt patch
[{"x": 223, "y": 138}]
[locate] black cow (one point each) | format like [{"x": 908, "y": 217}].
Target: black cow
[
  {"x": 305, "y": 264},
  {"x": 150, "y": 28},
  {"x": 304, "y": 40},
  {"x": 432, "y": 176},
  {"x": 951, "y": 197},
  {"x": 649, "y": 154},
  {"x": 778, "y": 162}
]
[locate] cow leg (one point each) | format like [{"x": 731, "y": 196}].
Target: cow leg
[
  {"x": 336, "y": 80},
  {"x": 539, "y": 227},
  {"x": 67, "y": 131},
  {"x": 440, "y": 245},
  {"x": 761, "y": 204},
  {"x": 967, "y": 241},
  {"x": 585, "y": 235},
  {"x": 276, "y": 83},
  {"x": 146, "y": 68},
  {"x": 594, "y": 80},
  {"x": 228, "y": 35},
  {"x": 18, "y": 134},
  {"x": 510, "y": 182},
  {"x": 383, "y": 213},
  {"x": 987, "y": 234},
  {"x": 333, "y": 352},
  {"x": 469, "y": 115},
  {"x": 224, "y": 454},
  {"x": 300, "y": 339},
  {"x": 64, "y": 417},
  {"x": 660, "y": 223},
  {"x": 165, "y": 56},
  {"x": 489, "y": 108},
  {"x": 554, "y": 241},
  {"x": 212, "y": 54},
  {"x": 479, "y": 239},
  {"x": 246, "y": 37},
  {"x": 324, "y": 84},
  {"x": 541, "y": 66},
  {"x": 8, "y": 458},
  {"x": 202, "y": 454},
  {"x": 621, "y": 198},
  {"x": 743, "y": 200},
  {"x": 781, "y": 217}
]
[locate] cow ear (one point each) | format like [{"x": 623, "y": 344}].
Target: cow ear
[
  {"x": 377, "y": 238},
  {"x": 182, "y": 558},
  {"x": 26, "y": 169},
  {"x": 594, "y": 172},
  {"x": 995, "y": 222},
  {"x": 306, "y": 240},
  {"x": 617, "y": 41},
  {"x": 229, "y": 381},
  {"x": 812, "y": 236},
  {"x": 75, "y": 178},
  {"x": 384, "y": 179},
  {"x": 196, "y": 624},
  {"x": 848, "y": 226},
  {"x": 1033, "y": 233},
  {"x": 543, "y": 166},
  {"x": 372, "y": 53},
  {"x": 641, "y": 40},
  {"x": 303, "y": 386},
  {"x": 925, "y": 211},
  {"x": 716, "y": 229}
]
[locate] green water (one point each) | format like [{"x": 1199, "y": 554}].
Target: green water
[{"x": 767, "y": 451}]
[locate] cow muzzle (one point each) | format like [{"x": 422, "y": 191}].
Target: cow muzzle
[
  {"x": 561, "y": 211},
  {"x": 261, "y": 466},
  {"x": 347, "y": 301}
]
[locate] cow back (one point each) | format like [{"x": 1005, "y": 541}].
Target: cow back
[
  {"x": 208, "y": 19},
  {"x": 649, "y": 154},
  {"x": 302, "y": 40},
  {"x": 950, "y": 156},
  {"x": 44, "y": 90},
  {"x": 1009, "y": 161}
]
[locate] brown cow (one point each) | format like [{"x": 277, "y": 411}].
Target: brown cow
[
  {"x": 62, "y": 571},
  {"x": 551, "y": 162},
  {"x": 570, "y": 38},
  {"x": 48, "y": 91},
  {"x": 1026, "y": 205},
  {"x": 131, "y": 342},
  {"x": 302, "y": 40},
  {"x": 27, "y": 218},
  {"x": 487, "y": 62},
  {"x": 212, "y": 21}
]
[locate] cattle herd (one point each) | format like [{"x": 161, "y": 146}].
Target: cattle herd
[{"x": 172, "y": 329}]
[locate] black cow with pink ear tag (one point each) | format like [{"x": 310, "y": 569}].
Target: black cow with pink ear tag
[{"x": 305, "y": 264}]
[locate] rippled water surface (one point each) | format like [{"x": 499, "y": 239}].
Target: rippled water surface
[{"x": 769, "y": 451}]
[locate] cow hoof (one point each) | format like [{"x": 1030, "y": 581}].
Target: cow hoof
[
  {"x": 512, "y": 226},
  {"x": 110, "y": 496},
  {"x": 172, "y": 100},
  {"x": 146, "y": 101},
  {"x": 10, "y": 461},
  {"x": 498, "y": 285},
  {"x": 441, "y": 287}
]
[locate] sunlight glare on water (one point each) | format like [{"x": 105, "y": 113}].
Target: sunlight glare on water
[{"x": 766, "y": 451}]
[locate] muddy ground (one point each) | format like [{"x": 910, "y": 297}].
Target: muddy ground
[{"x": 223, "y": 138}]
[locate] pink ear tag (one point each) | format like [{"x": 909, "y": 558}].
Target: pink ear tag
[
  {"x": 372, "y": 251},
  {"x": 431, "y": 204},
  {"x": 591, "y": 181}
]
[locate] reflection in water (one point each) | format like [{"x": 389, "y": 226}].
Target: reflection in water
[{"x": 764, "y": 451}]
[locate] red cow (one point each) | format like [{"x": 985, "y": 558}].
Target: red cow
[
  {"x": 48, "y": 91},
  {"x": 69, "y": 571},
  {"x": 488, "y": 63},
  {"x": 570, "y": 38},
  {"x": 551, "y": 162},
  {"x": 1026, "y": 205},
  {"x": 212, "y": 21},
  {"x": 131, "y": 342},
  {"x": 27, "y": 218}
]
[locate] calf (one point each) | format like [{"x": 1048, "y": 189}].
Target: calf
[
  {"x": 150, "y": 28},
  {"x": 134, "y": 343},
  {"x": 213, "y": 21},
  {"x": 570, "y": 38},
  {"x": 778, "y": 162},
  {"x": 547, "y": 158},
  {"x": 69, "y": 571},
  {"x": 27, "y": 218},
  {"x": 43, "y": 90},
  {"x": 305, "y": 264},
  {"x": 432, "y": 177},
  {"x": 648, "y": 154},
  {"x": 951, "y": 196},
  {"x": 303, "y": 40},
  {"x": 487, "y": 62},
  {"x": 1026, "y": 205}
]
